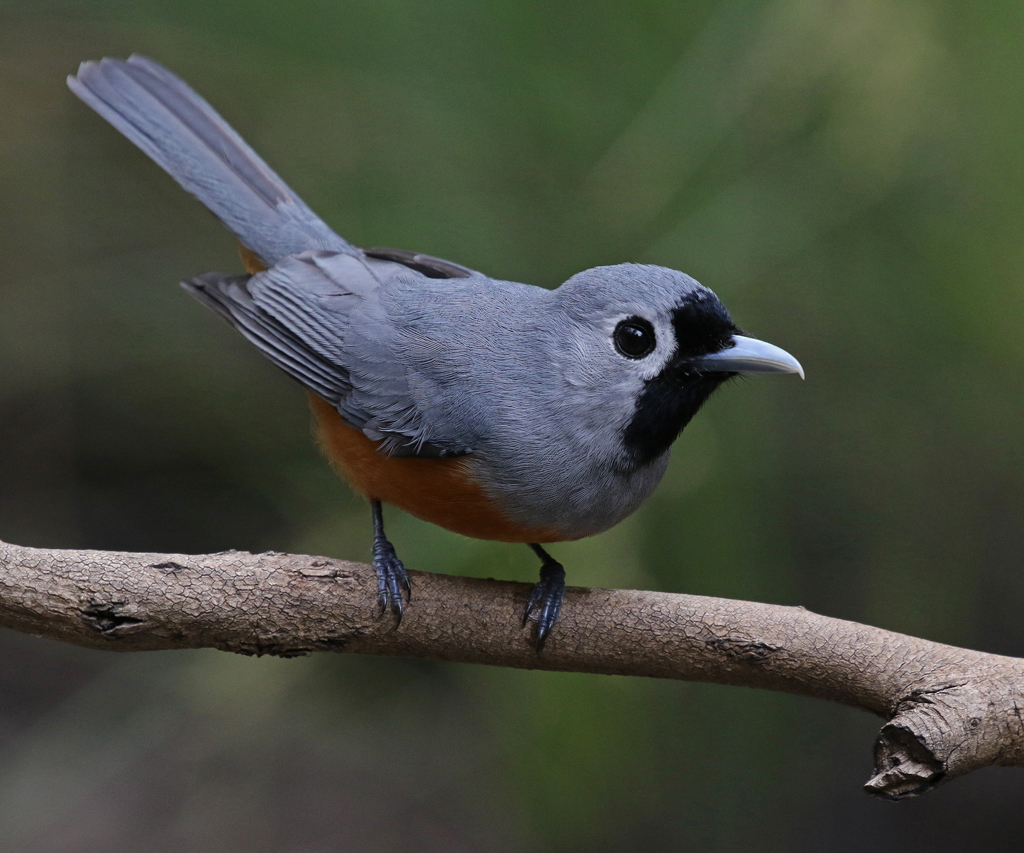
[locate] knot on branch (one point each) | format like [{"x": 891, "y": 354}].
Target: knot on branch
[{"x": 946, "y": 730}]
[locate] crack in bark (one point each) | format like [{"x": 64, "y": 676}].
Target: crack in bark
[{"x": 108, "y": 618}]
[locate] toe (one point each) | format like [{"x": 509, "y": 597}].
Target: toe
[
  {"x": 536, "y": 595},
  {"x": 546, "y": 601},
  {"x": 392, "y": 580}
]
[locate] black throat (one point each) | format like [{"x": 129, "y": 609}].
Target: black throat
[
  {"x": 669, "y": 401},
  {"x": 662, "y": 411}
]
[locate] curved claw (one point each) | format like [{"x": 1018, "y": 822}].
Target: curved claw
[
  {"x": 392, "y": 580},
  {"x": 546, "y": 600}
]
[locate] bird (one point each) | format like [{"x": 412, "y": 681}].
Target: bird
[{"x": 494, "y": 409}]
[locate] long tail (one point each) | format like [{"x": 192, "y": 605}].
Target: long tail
[{"x": 186, "y": 136}]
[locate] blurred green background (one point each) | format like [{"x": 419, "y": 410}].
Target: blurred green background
[{"x": 847, "y": 176}]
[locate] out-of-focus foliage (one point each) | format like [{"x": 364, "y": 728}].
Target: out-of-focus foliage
[{"x": 846, "y": 175}]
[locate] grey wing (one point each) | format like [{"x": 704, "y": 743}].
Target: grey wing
[{"x": 317, "y": 317}]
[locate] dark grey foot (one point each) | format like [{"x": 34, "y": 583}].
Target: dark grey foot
[
  {"x": 392, "y": 580},
  {"x": 546, "y": 599}
]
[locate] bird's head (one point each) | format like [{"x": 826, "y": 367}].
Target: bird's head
[{"x": 655, "y": 344}]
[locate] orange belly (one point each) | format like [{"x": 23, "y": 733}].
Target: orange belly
[{"x": 441, "y": 491}]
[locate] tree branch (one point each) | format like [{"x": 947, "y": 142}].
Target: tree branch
[{"x": 949, "y": 710}]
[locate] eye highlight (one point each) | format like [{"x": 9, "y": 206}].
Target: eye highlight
[{"x": 634, "y": 338}]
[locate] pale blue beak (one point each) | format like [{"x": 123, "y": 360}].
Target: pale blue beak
[{"x": 748, "y": 355}]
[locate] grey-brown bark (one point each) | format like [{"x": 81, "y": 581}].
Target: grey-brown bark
[{"x": 949, "y": 710}]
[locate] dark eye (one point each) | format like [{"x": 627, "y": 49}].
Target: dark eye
[{"x": 634, "y": 338}]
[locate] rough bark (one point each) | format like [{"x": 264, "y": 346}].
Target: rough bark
[{"x": 949, "y": 710}]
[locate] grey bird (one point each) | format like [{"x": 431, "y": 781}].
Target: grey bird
[{"x": 494, "y": 409}]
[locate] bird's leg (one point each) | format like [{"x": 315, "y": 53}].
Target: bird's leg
[
  {"x": 391, "y": 576},
  {"x": 546, "y": 599}
]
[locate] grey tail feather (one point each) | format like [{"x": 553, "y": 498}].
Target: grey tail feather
[{"x": 184, "y": 135}]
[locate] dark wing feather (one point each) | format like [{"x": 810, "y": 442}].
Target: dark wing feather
[{"x": 426, "y": 265}]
